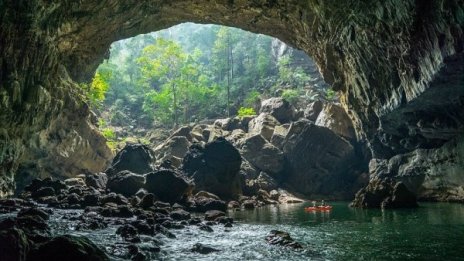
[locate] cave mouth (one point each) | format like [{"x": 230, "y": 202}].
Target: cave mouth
[{"x": 188, "y": 73}]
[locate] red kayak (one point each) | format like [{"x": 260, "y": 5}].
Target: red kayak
[{"x": 319, "y": 208}]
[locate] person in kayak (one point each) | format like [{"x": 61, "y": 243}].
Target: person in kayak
[
  {"x": 322, "y": 204},
  {"x": 314, "y": 203}
]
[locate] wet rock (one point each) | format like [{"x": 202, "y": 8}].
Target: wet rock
[
  {"x": 67, "y": 247},
  {"x": 279, "y": 109},
  {"x": 264, "y": 124},
  {"x": 203, "y": 249},
  {"x": 203, "y": 204},
  {"x": 147, "y": 201},
  {"x": 214, "y": 168},
  {"x": 212, "y": 215},
  {"x": 126, "y": 183},
  {"x": 127, "y": 231},
  {"x": 90, "y": 200},
  {"x": 168, "y": 185},
  {"x": 313, "y": 110},
  {"x": 114, "y": 198},
  {"x": 73, "y": 199},
  {"x": 97, "y": 181},
  {"x": 249, "y": 204},
  {"x": 337, "y": 120},
  {"x": 74, "y": 182},
  {"x": 172, "y": 149},
  {"x": 384, "y": 193},
  {"x": 276, "y": 237},
  {"x": 34, "y": 212},
  {"x": 180, "y": 214},
  {"x": 233, "y": 205},
  {"x": 136, "y": 158},
  {"x": 43, "y": 192},
  {"x": 319, "y": 161},
  {"x": 206, "y": 194},
  {"x": 262, "y": 154},
  {"x": 37, "y": 184},
  {"x": 205, "y": 227},
  {"x": 14, "y": 244}
]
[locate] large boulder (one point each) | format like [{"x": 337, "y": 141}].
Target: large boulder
[
  {"x": 168, "y": 185},
  {"x": 262, "y": 154},
  {"x": 281, "y": 109},
  {"x": 319, "y": 161},
  {"x": 136, "y": 158},
  {"x": 173, "y": 149},
  {"x": 313, "y": 110},
  {"x": 384, "y": 193},
  {"x": 214, "y": 167},
  {"x": 97, "y": 180},
  {"x": 67, "y": 247},
  {"x": 264, "y": 124},
  {"x": 126, "y": 183},
  {"x": 336, "y": 119}
]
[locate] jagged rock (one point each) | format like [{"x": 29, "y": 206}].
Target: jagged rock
[
  {"x": 279, "y": 109},
  {"x": 206, "y": 194},
  {"x": 180, "y": 214},
  {"x": 203, "y": 204},
  {"x": 126, "y": 183},
  {"x": 279, "y": 134},
  {"x": 97, "y": 181},
  {"x": 136, "y": 158},
  {"x": 320, "y": 162},
  {"x": 276, "y": 237},
  {"x": 67, "y": 247},
  {"x": 214, "y": 168},
  {"x": 183, "y": 131},
  {"x": 202, "y": 249},
  {"x": 266, "y": 182},
  {"x": 168, "y": 185},
  {"x": 262, "y": 154},
  {"x": 313, "y": 110},
  {"x": 381, "y": 193},
  {"x": 264, "y": 124},
  {"x": 335, "y": 118},
  {"x": 74, "y": 182},
  {"x": 174, "y": 148}
]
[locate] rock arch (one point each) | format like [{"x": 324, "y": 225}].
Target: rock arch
[{"x": 381, "y": 55}]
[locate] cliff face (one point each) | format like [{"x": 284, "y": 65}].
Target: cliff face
[{"x": 395, "y": 63}]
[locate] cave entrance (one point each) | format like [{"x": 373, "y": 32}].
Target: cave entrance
[{"x": 194, "y": 73}]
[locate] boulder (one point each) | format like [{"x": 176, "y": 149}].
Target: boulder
[
  {"x": 279, "y": 109},
  {"x": 212, "y": 215},
  {"x": 126, "y": 183},
  {"x": 279, "y": 134},
  {"x": 180, "y": 214},
  {"x": 168, "y": 185},
  {"x": 202, "y": 249},
  {"x": 203, "y": 204},
  {"x": 319, "y": 161},
  {"x": 183, "y": 131},
  {"x": 264, "y": 124},
  {"x": 313, "y": 110},
  {"x": 384, "y": 193},
  {"x": 14, "y": 244},
  {"x": 172, "y": 149},
  {"x": 206, "y": 194},
  {"x": 136, "y": 158},
  {"x": 214, "y": 168},
  {"x": 262, "y": 154},
  {"x": 336, "y": 119},
  {"x": 281, "y": 238},
  {"x": 67, "y": 247},
  {"x": 74, "y": 182},
  {"x": 97, "y": 180}
]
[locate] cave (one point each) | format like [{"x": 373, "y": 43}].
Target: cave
[{"x": 398, "y": 66}]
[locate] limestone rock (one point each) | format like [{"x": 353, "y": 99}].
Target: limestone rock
[
  {"x": 313, "y": 110},
  {"x": 279, "y": 109},
  {"x": 319, "y": 160},
  {"x": 214, "y": 168},
  {"x": 172, "y": 149},
  {"x": 335, "y": 118},
  {"x": 136, "y": 158},
  {"x": 126, "y": 183},
  {"x": 264, "y": 124},
  {"x": 262, "y": 154},
  {"x": 168, "y": 185}
]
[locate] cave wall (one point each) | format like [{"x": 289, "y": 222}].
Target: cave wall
[{"x": 381, "y": 55}]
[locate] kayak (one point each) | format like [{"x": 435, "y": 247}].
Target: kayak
[{"x": 319, "y": 208}]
